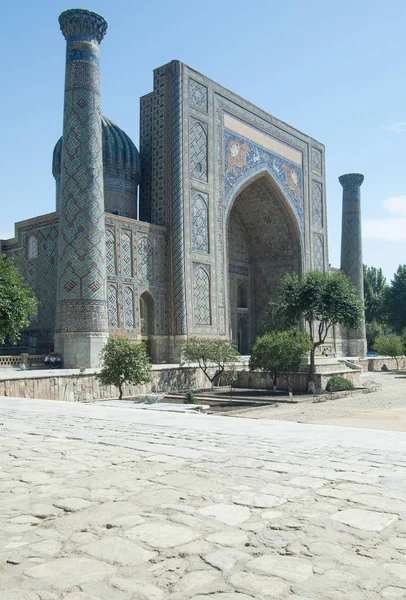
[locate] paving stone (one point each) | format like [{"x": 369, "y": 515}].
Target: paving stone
[
  {"x": 259, "y": 585},
  {"x": 125, "y": 522},
  {"x": 257, "y": 500},
  {"x": 226, "y": 558},
  {"x": 18, "y": 594},
  {"x": 397, "y": 570},
  {"x": 45, "y": 548},
  {"x": 72, "y": 504},
  {"x": 64, "y": 573},
  {"x": 228, "y": 538},
  {"x": 44, "y": 511},
  {"x": 143, "y": 590},
  {"x": 162, "y": 535},
  {"x": 286, "y": 567},
  {"x": 227, "y": 513},
  {"x": 202, "y": 582},
  {"x": 392, "y": 593},
  {"x": 224, "y": 596},
  {"x": 114, "y": 549},
  {"x": 365, "y": 519}
]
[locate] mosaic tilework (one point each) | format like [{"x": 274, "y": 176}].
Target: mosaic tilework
[
  {"x": 159, "y": 205},
  {"x": 242, "y": 158},
  {"x": 317, "y": 204},
  {"x": 145, "y": 259},
  {"x": 126, "y": 255},
  {"x": 200, "y": 223},
  {"x": 197, "y": 95},
  {"x": 198, "y": 150},
  {"x": 82, "y": 265},
  {"x": 111, "y": 263},
  {"x": 32, "y": 250},
  {"x": 112, "y": 306},
  {"x": 317, "y": 161},
  {"x": 351, "y": 241},
  {"x": 201, "y": 296},
  {"x": 318, "y": 252},
  {"x": 41, "y": 274},
  {"x": 178, "y": 274},
  {"x": 129, "y": 316},
  {"x": 146, "y": 106}
]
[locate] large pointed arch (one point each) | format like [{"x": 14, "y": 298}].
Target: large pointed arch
[{"x": 264, "y": 242}]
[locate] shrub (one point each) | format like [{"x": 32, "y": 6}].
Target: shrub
[
  {"x": 338, "y": 383},
  {"x": 190, "y": 397}
]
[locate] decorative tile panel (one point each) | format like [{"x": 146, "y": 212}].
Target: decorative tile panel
[
  {"x": 129, "y": 318},
  {"x": 32, "y": 250},
  {"x": 198, "y": 150},
  {"x": 197, "y": 95},
  {"x": 201, "y": 296},
  {"x": 316, "y": 161},
  {"x": 318, "y": 252},
  {"x": 200, "y": 222},
  {"x": 112, "y": 306},
  {"x": 111, "y": 266},
  {"x": 126, "y": 255},
  {"x": 317, "y": 204},
  {"x": 145, "y": 259}
]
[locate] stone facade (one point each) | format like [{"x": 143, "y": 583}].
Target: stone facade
[{"x": 230, "y": 199}]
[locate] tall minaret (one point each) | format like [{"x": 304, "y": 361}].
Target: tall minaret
[
  {"x": 81, "y": 313},
  {"x": 351, "y": 251}
]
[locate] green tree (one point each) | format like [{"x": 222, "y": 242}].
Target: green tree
[
  {"x": 372, "y": 331},
  {"x": 280, "y": 353},
  {"x": 322, "y": 300},
  {"x": 17, "y": 301},
  {"x": 124, "y": 361},
  {"x": 275, "y": 319},
  {"x": 396, "y": 300},
  {"x": 208, "y": 353},
  {"x": 375, "y": 295},
  {"x": 390, "y": 345}
]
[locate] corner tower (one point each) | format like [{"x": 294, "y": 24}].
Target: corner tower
[
  {"x": 351, "y": 250},
  {"x": 81, "y": 309}
]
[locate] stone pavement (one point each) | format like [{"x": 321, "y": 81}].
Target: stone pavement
[{"x": 106, "y": 503}]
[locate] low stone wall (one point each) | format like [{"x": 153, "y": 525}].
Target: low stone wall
[
  {"x": 260, "y": 380},
  {"x": 375, "y": 363},
  {"x": 74, "y": 386}
]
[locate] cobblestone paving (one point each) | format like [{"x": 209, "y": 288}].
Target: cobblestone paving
[{"x": 114, "y": 504}]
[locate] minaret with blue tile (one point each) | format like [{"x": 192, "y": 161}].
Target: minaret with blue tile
[
  {"x": 351, "y": 250},
  {"x": 81, "y": 313}
]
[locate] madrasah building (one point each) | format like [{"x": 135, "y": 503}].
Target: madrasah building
[{"x": 187, "y": 236}]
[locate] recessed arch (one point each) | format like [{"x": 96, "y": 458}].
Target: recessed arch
[
  {"x": 147, "y": 314},
  {"x": 264, "y": 242}
]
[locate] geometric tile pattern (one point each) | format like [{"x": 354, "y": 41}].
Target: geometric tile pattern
[
  {"x": 197, "y": 95},
  {"x": 198, "y": 150},
  {"x": 159, "y": 208},
  {"x": 146, "y": 103},
  {"x": 318, "y": 252},
  {"x": 316, "y": 161},
  {"x": 201, "y": 296},
  {"x": 145, "y": 259},
  {"x": 111, "y": 266},
  {"x": 112, "y": 306},
  {"x": 129, "y": 320},
  {"x": 126, "y": 255},
  {"x": 32, "y": 246},
  {"x": 317, "y": 204},
  {"x": 81, "y": 224},
  {"x": 200, "y": 224},
  {"x": 178, "y": 323}
]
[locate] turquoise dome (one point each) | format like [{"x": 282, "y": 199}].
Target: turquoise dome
[{"x": 119, "y": 152}]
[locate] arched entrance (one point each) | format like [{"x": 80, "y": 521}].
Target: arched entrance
[{"x": 263, "y": 243}]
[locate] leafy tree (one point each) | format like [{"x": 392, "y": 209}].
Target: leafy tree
[
  {"x": 208, "y": 353},
  {"x": 17, "y": 301},
  {"x": 280, "y": 353},
  {"x": 275, "y": 319},
  {"x": 372, "y": 331},
  {"x": 322, "y": 300},
  {"x": 375, "y": 295},
  {"x": 124, "y": 361},
  {"x": 396, "y": 300},
  {"x": 390, "y": 345}
]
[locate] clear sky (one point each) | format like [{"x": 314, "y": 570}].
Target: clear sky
[{"x": 334, "y": 70}]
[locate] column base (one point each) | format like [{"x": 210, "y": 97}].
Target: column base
[{"x": 80, "y": 350}]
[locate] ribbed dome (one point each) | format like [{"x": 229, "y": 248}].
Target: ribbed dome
[{"x": 119, "y": 152}]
